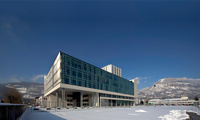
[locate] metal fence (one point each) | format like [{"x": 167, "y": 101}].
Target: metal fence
[{"x": 11, "y": 111}]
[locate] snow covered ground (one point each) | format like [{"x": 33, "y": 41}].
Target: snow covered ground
[{"x": 137, "y": 113}]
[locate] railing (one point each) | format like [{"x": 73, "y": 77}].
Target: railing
[{"x": 11, "y": 111}]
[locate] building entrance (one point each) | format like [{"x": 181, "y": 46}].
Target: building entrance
[{"x": 76, "y": 99}]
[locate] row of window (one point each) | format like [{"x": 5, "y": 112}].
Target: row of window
[
  {"x": 78, "y": 65},
  {"x": 114, "y": 96},
  {"x": 71, "y": 70},
  {"x": 83, "y": 82},
  {"x": 97, "y": 85},
  {"x": 98, "y": 79}
]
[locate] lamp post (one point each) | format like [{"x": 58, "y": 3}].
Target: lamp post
[
  {"x": 154, "y": 91},
  {"x": 155, "y": 94}
]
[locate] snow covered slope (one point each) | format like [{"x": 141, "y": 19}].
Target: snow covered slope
[
  {"x": 172, "y": 88},
  {"x": 29, "y": 90}
]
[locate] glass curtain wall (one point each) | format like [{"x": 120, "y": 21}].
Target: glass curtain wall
[{"x": 80, "y": 73}]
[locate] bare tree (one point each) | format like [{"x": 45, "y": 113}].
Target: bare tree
[
  {"x": 11, "y": 95},
  {"x": 196, "y": 98},
  {"x": 141, "y": 102}
]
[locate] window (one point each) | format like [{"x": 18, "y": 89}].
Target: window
[
  {"x": 73, "y": 81},
  {"x": 85, "y": 100},
  {"x": 85, "y": 76},
  {"x": 74, "y": 73},
  {"x": 69, "y": 100},
  {"x": 79, "y": 83},
  {"x": 66, "y": 80},
  {"x": 90, "y": 78},
  {"x": 68, "y": 71},
  {"x": 80, "y": 75},
  {"x": 79, "y": 66},
  {"x": 69, "y": 96}
]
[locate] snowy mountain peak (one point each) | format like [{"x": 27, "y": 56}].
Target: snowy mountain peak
[{"x": 171, "y": 88}]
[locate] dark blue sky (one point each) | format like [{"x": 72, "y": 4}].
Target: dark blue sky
[{"x": 149, "y": 40}]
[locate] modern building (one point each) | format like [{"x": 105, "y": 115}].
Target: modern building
[
  {"x": 73, "y": 82},
  {"x": 113, "y": 69}
]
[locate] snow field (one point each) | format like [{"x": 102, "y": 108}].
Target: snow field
[{"x": 137, "y": 113}]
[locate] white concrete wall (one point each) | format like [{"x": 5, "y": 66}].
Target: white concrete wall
[
  {"x": 135, "y": 90},
  {"x": 54, "y": 75}
]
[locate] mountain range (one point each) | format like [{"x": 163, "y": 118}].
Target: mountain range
[
  {"x": 29, "y": 90},
  {"x": 172, "y": 88},
  {"x": 164, "y": 88}
]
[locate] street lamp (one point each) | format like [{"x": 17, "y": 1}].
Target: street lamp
[
  {"x": 155, "y": 94},
  {"x": 154, "y": 91}
]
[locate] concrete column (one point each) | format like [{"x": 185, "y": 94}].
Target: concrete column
[
  {"x": 99, "y": 101},
  {"x": 51, "y": 104},
  {"x": 56, "y": 99},
  {"x": 81, "y": 99},
  {"x": 90, "y": 100},
  {"x": 49, "y": 100},
  {"x": 63, "y": 97},
  {"x": 96, "y": 100}
]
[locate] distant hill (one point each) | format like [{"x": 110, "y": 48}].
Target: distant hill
[
  {"x": 2, "y": 87},
  {"x": 164, "y": 88},
  {"x": 172, "y": 88},
  {"x": 29, "y": 90}
]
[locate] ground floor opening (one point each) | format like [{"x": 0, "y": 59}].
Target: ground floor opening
[{"x": 78, "y": 98}]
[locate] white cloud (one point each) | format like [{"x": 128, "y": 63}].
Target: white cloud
[
  {"x": 7, "y": 25},
  {"x": 13, "y": 28},
  {"x": 15, "y": 78},
  {"x": 137, "y": 79},
  {"x": 37, "y": 77},
  {"x": 140, "y": 78}
]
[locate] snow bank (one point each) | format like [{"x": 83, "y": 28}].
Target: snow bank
[
  {"x": 140, "y": 111},
  {"x": 175, "y": 115}
]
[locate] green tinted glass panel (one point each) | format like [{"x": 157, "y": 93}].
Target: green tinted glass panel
[{"x": 80, "y": 73}]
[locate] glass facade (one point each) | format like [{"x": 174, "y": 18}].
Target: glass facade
[{"x": 80, "y": 73}]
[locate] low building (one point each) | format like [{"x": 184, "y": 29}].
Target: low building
[
  {"x": 37, "y": 101},
  {"x": 173, "y": 101}
]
